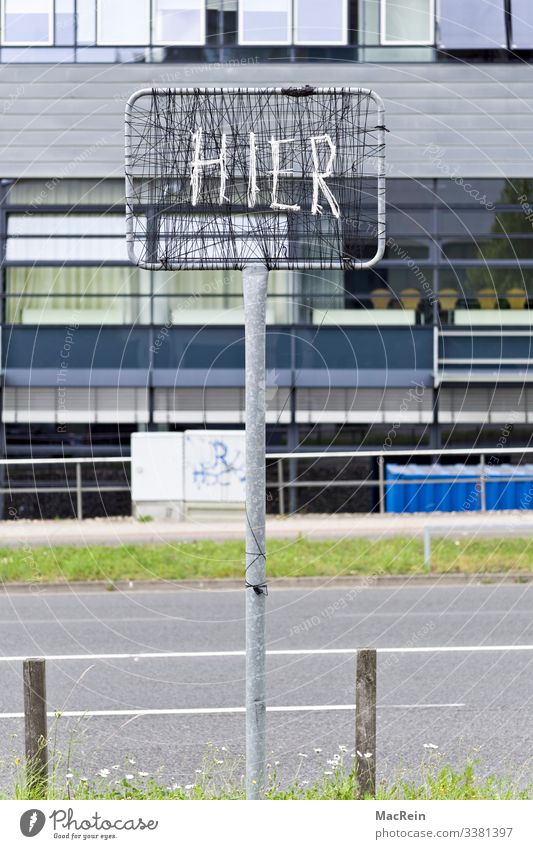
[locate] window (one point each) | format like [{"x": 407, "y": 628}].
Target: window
[
  {"x": 65, "y": 20},
  {"x": 522, "y": 25},
  {"x": 87, "y": 295},
  {"x": 55, "y": 238},
  {"x": 265, "y": 22},
  {"x": 471, "y": 25},
  {"x": 317, "y": 22},
  {"x": 178, "y": 22},
  {"x": 407, "y": 21},
  {"x": 86, "y": 12},
  {"x": 29, "y": 22},
  {"x": 123, "y": 22}
]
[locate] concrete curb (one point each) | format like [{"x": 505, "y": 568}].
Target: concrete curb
[{"x": 231, "y": 584}]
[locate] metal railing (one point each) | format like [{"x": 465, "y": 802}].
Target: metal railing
[
  {"x": 479, "y": 480},
  {"x": 285, "y": 483},
  {"x": 74, "y": 489}
]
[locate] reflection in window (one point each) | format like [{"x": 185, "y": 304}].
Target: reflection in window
[
  {"x": 499, "y": 286},
  {"x": 64, "y": 238},
  {"x": 265, "y": 21},
  {"x": 512, "y": 246},
  {"x": 317, "y": 22},
  {"x": 472, "y": 25},
  {"x": 522, "y": 25},
  {"x": 407, "y": 21},
  {"x": 179, "y": 22},
  {"x": 28, "y": 22},
  {"x": 38, "y": 194},
  {"x": 65, "y": 22},
  {"x": 123, "y": 22},
  {"x": 86, "y": 13},
  {"x": 82, "y": 295}
]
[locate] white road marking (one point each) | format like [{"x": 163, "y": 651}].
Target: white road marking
[
  {"x": 272, "y": 652},
  {"x": 199, "y": 711}
]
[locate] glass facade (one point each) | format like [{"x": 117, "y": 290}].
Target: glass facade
[
  {"x": 275, "y": 30},
  {"x": 456, "y": 253}
]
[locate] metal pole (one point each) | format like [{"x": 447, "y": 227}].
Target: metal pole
[
  {"x": 281, "y": 491},
  {"x": 381, "y": 472},
  {"x": 255, "y": 281},
  {"x": 482, "y": 482},
  {"x": 79, "y": 494},
  {"x": 427, "y": 549}
]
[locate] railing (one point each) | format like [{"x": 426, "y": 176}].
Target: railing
[
  {"x": 479, "y": 480},
  {"x": 77, "y": 490},
  {"x": 283, "y": 483}
]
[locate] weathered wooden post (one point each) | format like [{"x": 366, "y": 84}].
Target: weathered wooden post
[
  {"x": 365, "y": 724},
  {"x": 35, "y": 727}
]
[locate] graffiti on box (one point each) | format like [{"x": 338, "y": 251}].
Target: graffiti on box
[{"x": 223, "y": 468}]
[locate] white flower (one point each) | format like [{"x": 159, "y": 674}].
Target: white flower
[
  {"x": 129, "y": 776},
  {"x": 305, "y": 782},
  {"x": 131, "y": 761},
  {"x": 318, "y": 751},
  {"x": 70, "y": 775},
  {"x": 277, "y": 763},
  {"x": 144, "y": 774},
  {"x": 302, "y": 755},
  {"x": 103, "y": 772},
  {"x": 430, "y": 746},
  {"x": 219, "y": 762},
  {"x": 199, "y": 771},
  {"x": 83, "y": 778},
  {"x": 367, "y": 754},
  {"x": 328, "y": 772},
  {"x": 115, "y": 766},
  {"x": 223, "y": 749},
  {"x": 343, "y": 748},
  {"x": 189, "y": 786}
]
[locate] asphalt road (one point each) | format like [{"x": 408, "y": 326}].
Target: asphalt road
[{"x": 454, "y": 672}]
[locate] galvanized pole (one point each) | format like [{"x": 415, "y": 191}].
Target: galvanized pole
[{"x": 255, "y": 281}]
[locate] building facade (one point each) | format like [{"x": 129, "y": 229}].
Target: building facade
[{"x": 431, "y": 348}]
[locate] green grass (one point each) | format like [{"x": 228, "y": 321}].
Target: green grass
[
  {"x": 286, "y": 558},
  {"x": 440, "y": 783}
]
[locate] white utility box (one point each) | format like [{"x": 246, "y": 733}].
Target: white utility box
[
  {"x": 157, "y": 469},
  {"x": 196, "y": 474}
]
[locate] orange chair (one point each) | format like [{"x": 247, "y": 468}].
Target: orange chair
[
  {"x": 448, "y": 299},
  {"x": 488, "y": 299},
  {"x": 516, "y": 298},
  {"x": 410, "y": 299},
  {"x": 380, "y": 298}
]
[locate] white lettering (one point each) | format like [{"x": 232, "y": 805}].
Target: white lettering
[
  {"x": 319, "y": 177},
  {"x": 276, "y": 172},
  {"x": 252, "y": 177},
  {"x": 199, "y": 164}
]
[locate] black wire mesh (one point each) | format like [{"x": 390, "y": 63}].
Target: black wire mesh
[{"x": 288, "y": 178}]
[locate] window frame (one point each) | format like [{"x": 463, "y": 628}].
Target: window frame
[
  {"x": 262, "y": 43},
  {"x": 117, "y": 42},
  {"x": 323, "y": 42},
  {"x": 161, "y": 43},
  {"x": 51, "y": 29},
  {"x": 384, "y": 41}
]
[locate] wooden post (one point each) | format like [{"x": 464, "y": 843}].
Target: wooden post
[
  {"x": 365, "y": 724},
  {"x": 35, "y": 727}
]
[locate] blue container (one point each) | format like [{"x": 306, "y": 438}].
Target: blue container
[{"x": 456, "y": 488}]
